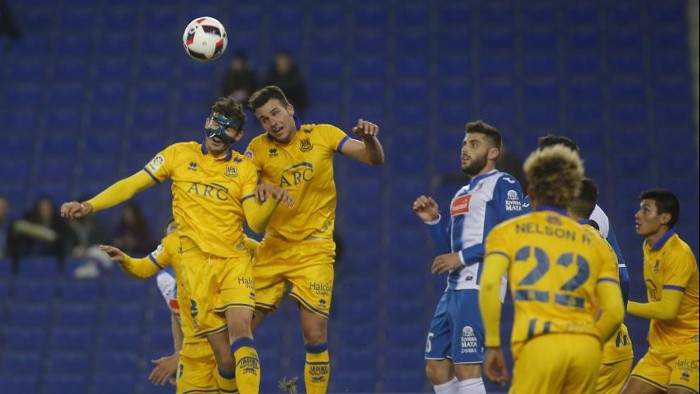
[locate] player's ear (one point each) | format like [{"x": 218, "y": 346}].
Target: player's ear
[
  {"x": 238, "y": 136},
  {"x": 665, "y": 218},
  {"x": 290, "y": 109},
  {"x": 494, "y": 153}
]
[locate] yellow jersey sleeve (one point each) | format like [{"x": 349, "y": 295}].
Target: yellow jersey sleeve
[
  {"x": 496, "y": 262},
  {"x": 160, "y": 258},
  {"x": 677, "y": 271},
  {"x": 335, "y": 137},
  {"x": 161, "y": 166}
]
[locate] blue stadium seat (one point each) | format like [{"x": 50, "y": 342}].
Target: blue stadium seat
[
  {"x": 369, "y": 66},
  {"x": 368, "y": 43},
  {"x": 404, "y": 311},
  {"x": 498, "y": 64},
  {"x": 326, "y": 16},
  {"x": 367, "y": 92},
  {"x": 411, "y": 66},
  {"x": 675, "y": 90},
  {"x": 67, "y": 95},
  {"x": 452, "y": 15},
  {"x": 121, "y": 18},
  {"x": 453, "y": 65},
  {"x": 160, "y": 341},
  {"x": 542, "y": 116},
  {"x": 497, "y": 90},
  {"x": 20, "y": 363},
  {"x": 27, "y": 95},
  {"x": 412, "y": 90},
  {"x": 358, "y": 335},
  {"x": 70, "y": 70},
  {"x": 400, "y": 380},
  {"x": 114, "y": 69},
  {"x": 627, "y": 64},
  {"x": 4, "y": 286},
  {"x": 370, "y": 16},
  {"x": 411, "y": 115},
  {"x": 539, "y": 64},
  {"x": 355, "y": 286},
  {"x": 539, "y": 14},
  {"x": 77, "y": 19},
  {"x": 408, "y": 335},
  {"x": 116, "y": 313},
  {"x": 118, "y": 362},
  {"x": 407, "y": 286},
  {"x": 76, "y": 313},
  {"x": 354, "y": 381},
  {"x": 581, "y": 14},
  {"x": 498, "y": 40},
  {"x": 673, "y": 114},
  {"x": 540, "y": 90},
  {"x": 34, "y": 290},
  {"x": 24, "y": 338},
  {"x": 412, "y": 43},
  {"x": 19, "y": 383},
  {"x": 104, "y": 144},
  {"x": 68, "y": 362},
  {"x": 126, "y": 290},
  {"x": 65, "y": 383},
  {"x": 584, "y": 90},
  {"x": 584, "y": 115},
  {"x": 583, "y": 63},
  {"x": 79, "y": 338},
  {"x": 122, "y": 338},
  {"x": 73, "y": 45},
  {"x": 104, "y": 170},
  {"x": 13, "y": 170},
  {"x": 623, "y": 14},
  {"x": 116, "y": 383},
  {"x": 538, "y": 41},
  {"x": 155, "y": 70},
  {"x": 328, "y": 67},
  {"x": 38, "y": 267}
]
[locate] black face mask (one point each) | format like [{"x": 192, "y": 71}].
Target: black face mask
[{"x": 223, "y": 123}]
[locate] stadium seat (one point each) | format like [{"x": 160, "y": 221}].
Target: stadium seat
[
  {"x": 28, "y": 95},
  {"x": 67, "y": 95},
  {"x": 20, "y": 363},
  {"x": 5, "y": 286},
  {"x": 70, "y": 70},
  {"x": 122, "y": 314},
  {"x": 405, "y": 287},
  {"x": 369, "y": 66},
  {"x": 539, "y": 64},
  {"x": 452, "y": 15},
  {"x": 583, "y": 63},
  {"x": 34, "y": 289},
  {"x": 116, "y": 383},
  {"x": 14, "y": 170},
  {"x": 411, "y": 66},
  {"x": 24, "y": 338},
  {"x": 79, "y": 338},
  {"x": 358, "y": 335},
  {"x": 456, "y": 65},
  {"x": 328, "y": 67},
  {"x": 368, "y": 43},
  {"x": 498, "y": 39},
  {"x": 122, "y": 338},
  {"x": 367, "y": 92},
  {"x": 408, "y": 335},
  {"x": 539, "y": 41},
  {"x": 404, "y": 311},
  {"x": 65, "y": 383},
  {"x": 78, "y": 19},
  {"x": 400, "y": 380},
  {"x": 73, "y": 44},
  {"x": 76, "y": 313},
  {"x": 117, "y": 362},
  {"x": 127, "y": 289},
  {"x": 114, "y": 68},
  {"x": 68, "y": 362},
  {"x": 354, "y": 381},
  {"x": 38, "y": 267},
  {"x": 19, "y": 383}
]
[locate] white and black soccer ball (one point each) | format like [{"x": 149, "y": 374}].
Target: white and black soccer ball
[{"x": 205, "y": 39}]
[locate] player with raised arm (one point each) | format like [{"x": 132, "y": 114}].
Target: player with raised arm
[
  {"x": 561, "y": 277},
  {"x": 193, "y": 355},
  {"x": 671, "y": 277},
  {"x": 618, "y": 355},
  {"x": 454, "y": 348},
  {"x": 213, "y": 192},
  {"x": 298, "y": 248}
]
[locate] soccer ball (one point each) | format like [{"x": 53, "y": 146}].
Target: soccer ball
[{"x": 205, "y": 39}]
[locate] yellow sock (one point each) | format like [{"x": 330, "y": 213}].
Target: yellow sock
[
  {"x": 317, "y": 370},
  {"x": 247, "y": 365},
  {"x": 227, "y": 382}
]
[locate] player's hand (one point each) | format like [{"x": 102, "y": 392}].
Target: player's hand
[
  {"x": 426, "y": 209},
  {"x": 495, "y": 366},
  {"x": 446, "y": 262},
  {"x": 264, "y": 191},
  {"x": 365, "y": 130},
  {"x": 75, "y": 210},
  {"x": 114, "y": 253},
  {"x": 165, "y": 369}
]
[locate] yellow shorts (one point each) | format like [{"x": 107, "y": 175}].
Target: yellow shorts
[
  {"x": 306, "y": 265},
  {"x": 197, "y": 370},
  {"x": 670, "y": 369},
  {"x": 210, "y": 285},
  {"x": 570, "y": 366},
  {"x": 612, "y": 377}
]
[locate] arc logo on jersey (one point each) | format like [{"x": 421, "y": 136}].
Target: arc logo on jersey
[
  {"x": 460, "y": 205},
  {"x": 212, "y": 191},
  {"x": 296, "y": 174}
]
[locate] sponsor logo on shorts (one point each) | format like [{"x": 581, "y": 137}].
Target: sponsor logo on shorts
[
  {"x": 247, "y": 282},
  {"x": 323, "y": 289},
  {"x": 469, "y": 342}
]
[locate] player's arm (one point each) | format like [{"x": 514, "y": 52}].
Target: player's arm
[
  {"x": 612, "y": 309},
  {"x": 136, "y": 268},
  {"x": 665, "y": 309},
  {"x": 258, "y": 215},
  {"x": 113, "y": 195},
  {"x": 368, "y": 150},
  {"x": 166, "y": 367},
  {"x": 495, "y": 265},
  {"x": 427, "y": 210}
]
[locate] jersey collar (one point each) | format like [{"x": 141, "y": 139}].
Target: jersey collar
[
  {"x": 663, "y": 239},
  {"x": 483, "y": 176},
  {"x": 584, "y": 221},
  {"x": 229, "y": 154}
]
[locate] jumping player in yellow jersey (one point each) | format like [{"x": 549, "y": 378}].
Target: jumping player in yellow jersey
[
  {"x": 671, "y": 277},
  {"x": 560, "y": 275},
  {"x": 193, "y": 359},
  {"x": 213, "y": 188},
  {"x": 618, "y": 355},
  {"x": 298, "y": 248}
]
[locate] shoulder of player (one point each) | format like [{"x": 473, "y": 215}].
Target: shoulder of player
[
  {"x": 318, "y": 129},
  {"x": 679, "y": 248},
  {"x": 504, "y": 178}
]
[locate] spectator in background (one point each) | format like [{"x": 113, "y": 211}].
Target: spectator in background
[
  {"x": 131, "y": 233},
  {"x": 7, "y": 24},
  {"x": 239, "y": 80},
  {"x": 41, "y": 232},
  {"x": 285, "y": 74},
  {"x": 90, "y": 234},
  {"x": 4, "y": 224}
]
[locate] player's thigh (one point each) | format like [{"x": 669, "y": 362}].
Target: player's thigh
[
  {"x": 438, "y": 342},
  {"x": 270, "y": 265},
  {"x": 651, "y": 375},
  {"x": 466, "y": 327},
  {"x": 312, "y": 276},
  {"x": 612, "y": 377},
  {"x": 196, "y": 374},
  {"x": 684, "y": 372}
]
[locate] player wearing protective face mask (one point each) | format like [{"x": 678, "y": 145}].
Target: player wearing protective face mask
[{"x": 213, "y": 190}]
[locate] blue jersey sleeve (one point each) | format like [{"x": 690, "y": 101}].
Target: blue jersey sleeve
[
  {"x": 439, "y": 233},
  {"x": 622, "y": 266},
  {"x": 507, "y": 198}
]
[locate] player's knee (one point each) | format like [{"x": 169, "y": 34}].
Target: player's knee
[{"x": 437, "y": 372}]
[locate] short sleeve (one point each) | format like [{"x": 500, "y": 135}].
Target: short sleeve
[
  {"x": 252, "y": 153},
  {"x": 334, "y": 137},
  {"x": 608, "y": 269},
  {"x": 249, "y": 178},
  {"x": 507, "y": 197},
  {"x": 166, "y": 250},
  {"x": 677, "y": 270},
  {"x": 160, "y": 167},
  {"x": 497, "y": 242}
]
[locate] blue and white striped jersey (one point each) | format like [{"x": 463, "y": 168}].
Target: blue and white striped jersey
[
  {"x": 475, "y": 209},
  {"x": 168, "y": 288}
]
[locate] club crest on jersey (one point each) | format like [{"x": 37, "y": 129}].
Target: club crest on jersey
[
  {"x": 460, "y": 205},
  {"x": 231, "y": 171},
  {"x": 156, "y": 163},
  {"x": 305, "y": 145}
]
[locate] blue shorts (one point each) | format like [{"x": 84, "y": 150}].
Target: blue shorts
[{"x": 456, "y": 331}]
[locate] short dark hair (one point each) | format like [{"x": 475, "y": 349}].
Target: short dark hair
[
  {"x": 262, "y": 96},
  {"x": 584, "y": 204},
  {"x": 481, "y": 127},
  {"x": 230, "y": 107},
  {"x": 550, "y": 140},
  {"x": 666, "y": 202}
]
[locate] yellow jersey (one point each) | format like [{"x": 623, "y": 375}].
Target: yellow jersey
[
  {"x": 208, "y": 195},
  {"x": 304, "y": 167},
  {"x": 619, "y": 346},
  {"x": 670, "y": 264},
  {"x": 554, "y": 267}
]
